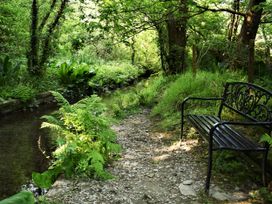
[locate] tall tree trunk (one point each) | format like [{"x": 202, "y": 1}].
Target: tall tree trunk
[
  {"x": 177, "y": 39},
  {"x": 162, "y": 45},
  {"x": 133, "y": 50},
  {"x": 251, "y": 60},
  {"x": 268, "y": 58},
  {"x": 232, "y": 31},
  {"x": 247, "y": 36},
  {"x": 33, "y": 54},
  {"x": 46, "y": 45},
  {"x": 194, "y": 59}
]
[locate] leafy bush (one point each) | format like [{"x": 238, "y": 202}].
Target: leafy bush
[
  {"x": 75, "y": 78},
  {"x": 146, "y": 92},
  {"x": 85, "y": 142},
  {"x": 8, "y": 71},
  {"x": 23, "y": 197},
  {"x": 113, "y": 75},
  {"x": 23, "y": 92}
]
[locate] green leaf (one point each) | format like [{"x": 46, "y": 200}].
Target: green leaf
[
  {"x": 43, "y": 180},
  {"x": 266, "y": 138}
]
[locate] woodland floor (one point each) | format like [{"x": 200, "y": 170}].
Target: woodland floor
[{"x": 154, "y": 168}]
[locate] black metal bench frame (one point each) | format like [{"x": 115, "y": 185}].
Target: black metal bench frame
[{"x": 248, "y": 100}]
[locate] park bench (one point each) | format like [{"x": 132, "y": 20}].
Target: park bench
[{"x": 252, "y": 103}]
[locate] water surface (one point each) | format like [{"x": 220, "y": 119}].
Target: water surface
[{"x": 19, "y": 150}]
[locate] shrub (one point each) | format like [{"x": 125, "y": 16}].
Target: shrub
[
  {"x": 85, "y": 142},
  {"x": 23, "y": 197},
  {"x": 8, "y": 71},
  {"x": 75, "y": 79},
  {"x": 113, "y": 75},
  {"x": 23, "y": 92}
]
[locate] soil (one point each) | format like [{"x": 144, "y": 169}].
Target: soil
[{"x": 155, "y": 167}]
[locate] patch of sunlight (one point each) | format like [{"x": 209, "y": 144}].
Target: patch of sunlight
[
  {"x": 189, "y": 144},
  {"x": 190, "y": 133},
  {"x": 161, "y": 157},
  {"x": 174, "y": 147}
]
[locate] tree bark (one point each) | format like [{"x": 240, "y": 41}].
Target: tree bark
[
  {"x": 133, "y": 51},
  {"x": 268, "y": 58},
  {"x": 250, "y": 26},
  {"x": 233, "y": 26},
  {"x": 251, "y": 60},
  {"x": 194, "y": 59},
  {"x": 161, "y": 44},
  {"x": 46, "y": 45},
  {"x": 33, "y": 55},
  {"x": 177, "y": 39}
]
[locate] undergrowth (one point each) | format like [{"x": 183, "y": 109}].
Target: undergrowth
[
  {"x": 204, "y": 84},
  {"x": 85, "y": 144}
]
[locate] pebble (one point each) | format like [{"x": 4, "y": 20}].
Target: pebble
[{"x": 187, "y": 182}]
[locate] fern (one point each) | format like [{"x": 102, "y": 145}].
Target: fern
[
  {"x": 85, "y": 142},
  {"x": 60, "y": 99}
]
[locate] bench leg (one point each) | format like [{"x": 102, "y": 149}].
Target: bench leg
[
  {"x": 182, "y": 126},
  {"x": 264, "y": 167},
  {"x": 209, "y": 172}
]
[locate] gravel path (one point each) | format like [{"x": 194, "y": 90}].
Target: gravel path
[{"x": 151, "y": 170}]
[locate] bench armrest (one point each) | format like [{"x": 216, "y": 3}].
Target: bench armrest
[
  {"x": 193, "y": 98},
  {"x": 198, "y": 98}
]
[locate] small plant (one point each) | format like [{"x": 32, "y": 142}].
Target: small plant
[
  {"x": 7, "y": 70},
  {"x": 75, "y": 78},
  {"x": 85, "y": 142},
  {"x": 23, "y": 197},
  {"x": 266, "y": 138}
]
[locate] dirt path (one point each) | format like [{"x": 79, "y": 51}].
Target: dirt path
[{"x": 150, "y": 170}]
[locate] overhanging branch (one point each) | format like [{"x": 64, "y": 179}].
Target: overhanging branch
[{"x": 206, "y": 8}]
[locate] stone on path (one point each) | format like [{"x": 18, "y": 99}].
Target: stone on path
[
  {"x": 187, "y": 190},
  {"x": 187, "y": 182}
]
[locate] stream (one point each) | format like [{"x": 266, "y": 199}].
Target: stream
[{"x": 20, "y": 154}]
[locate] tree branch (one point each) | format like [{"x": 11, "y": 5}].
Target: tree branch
[
  {"x": 206, "y": 8},
  {"x": 45, "y": 18}
]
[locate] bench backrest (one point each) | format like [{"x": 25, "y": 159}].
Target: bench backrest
[{"x": 249, "y": 100}]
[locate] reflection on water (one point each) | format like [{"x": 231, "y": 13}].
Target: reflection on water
[{"x": 19, "y": 152}]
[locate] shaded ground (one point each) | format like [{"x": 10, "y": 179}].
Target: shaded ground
[{"x": 152, "y": 169}]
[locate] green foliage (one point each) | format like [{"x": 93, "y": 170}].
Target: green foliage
[
  {"x": 47, "y": 178},
  {"x": 153, "y": 87},
  {"x": 85, "y": 142},
  {"x": 123, "y": 102},
  {"x": 73, "y": 73},
  {"x": 265, "y": 195},
  {"x": 266, "y": 138},
  {"x": 21, "y": 91},
  {"x": 146, "y": 92},
  {"x": 8, "y": 71},
  {"x": 75, "y": 79},
  {"x": 24, "y": 197},
  {"x": 229, "y": 163},
  {"x": 204, "y": 84},
  {"x": 113, "y": 75}
]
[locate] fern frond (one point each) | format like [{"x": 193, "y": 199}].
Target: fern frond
[
  {"x": 53, "y": 127},
  {"x": 51, "y": 119},
  {"x": 60, "y": 99}
]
